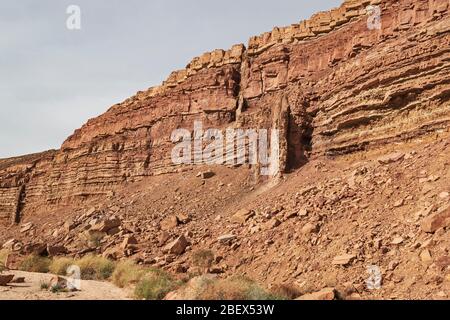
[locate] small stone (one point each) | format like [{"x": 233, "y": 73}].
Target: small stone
[
  {"x": 344, "y": 260},
  {"x": 425, "y": 256},
  {"x": 26, "y": 227},
  {"x": 56, "y": 250},
  {"x": 397, "y": 240},
  {"x": 169, "y": 223},
  {"x": 106, "y": 225},
  {"x": 322, "y": 295},
  {"x": 392, "y": 265},
  {"x": 227, "y": 238},
  {"x": 391, "y": 158},
  {"x": 444, "y": 195},
  {"x": 18, "y": 280},
  {"x": 443, "y": 262},
  {"x": 310, "y": 228},
  {"x": 273, "y": 224},
  {"x": 207, "y": 175},
  {"x": 129, "y": 240},
  {"x": 183, "y": 218},
  {"x": 399, "y": 203},
  {"x": 302, "y": 212},
  {"x": 242, "y": 216},
  {"x": 69, "y": 226},
  {"x": 163, "y": 237}
]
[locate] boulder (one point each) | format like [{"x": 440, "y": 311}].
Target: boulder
[
  {"x": 344, "y": 260},
  {"x": 26, "y": 227},
  {"x": 106, "y": 225},
  {"x": 391, "y": 158},
  {"x": 177, "y": 247},
  {"x": 5, "y": 279},
  {"x": 13, "y": 245},
  {"x": 129, "y": 240},
  {"x": 436, "y": 221},
  {"x": 242, "y": 216},
  {"x": 56, "y": 250}
]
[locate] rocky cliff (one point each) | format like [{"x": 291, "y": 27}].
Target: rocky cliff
[{"x": 343, "y": 87}]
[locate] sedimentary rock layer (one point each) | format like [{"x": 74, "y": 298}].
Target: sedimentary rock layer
[{"x": 334, "y": 84}]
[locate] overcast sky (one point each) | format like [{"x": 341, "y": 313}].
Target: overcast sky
[{"x": 52, "y": 80}]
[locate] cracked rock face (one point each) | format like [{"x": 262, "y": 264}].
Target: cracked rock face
[{"x": 333, "y": 86}]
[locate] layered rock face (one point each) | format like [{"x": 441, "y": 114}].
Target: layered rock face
[{"x": 333, "y": 85}]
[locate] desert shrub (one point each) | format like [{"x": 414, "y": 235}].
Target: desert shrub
[
  {"x": 35, "y": 263},
  {"x": 58, "y": 288},
  {"x": 127, "y": 272},
  {"x": 203, "y": 258},
  {"x": 3, "y": 255},
  {"x": 95, "y": 238},
  {"x": 286, "y": 291},
  {"x": 59, "y": 265},
  {"x": 154, "y": 285},
  {"x": 44, "y": 285},
  {"x": 95, "y": 267},
  {"x": 235, "y": 288}
]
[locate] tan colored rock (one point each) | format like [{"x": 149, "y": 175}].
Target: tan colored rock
[
  {"x": 106, "y": 225},
  {"x": 344, "y": 260},
  {"x": 310, "y": 228},
  {"x": 56, "y": 250},
  {"x": 242, "y": 216},
  {"x": 169, "y": 223},
  {"x": 130, "y": 240},
  {"x": 26, "y": 227},
  {"x": 227, "y": 238},
  {"x": 322, "y": 295},
  {"x": 391, "y": 158},
  {"x": 425, "y": 256}
]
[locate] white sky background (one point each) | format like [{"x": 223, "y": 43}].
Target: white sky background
[{"x": 52, "y": 80}]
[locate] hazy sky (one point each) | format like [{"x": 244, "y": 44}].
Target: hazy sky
[{"x": 52, "y": 80}]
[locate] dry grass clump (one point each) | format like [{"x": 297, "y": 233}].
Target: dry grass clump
[
  {"x": 35, "y": 263},
  {"x": 60, "y": 265},
  {"x": 235, "y": 288},
  {"x": 203, "y": 259},
  {"x": 3, "y": 255},
  {"x": 127, "y": 273},
  {"x": 154, "y": 285},
  {"x": 95, "y": 267}
]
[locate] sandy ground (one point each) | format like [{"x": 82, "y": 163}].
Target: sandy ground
[{"x": 30, "y": 290}]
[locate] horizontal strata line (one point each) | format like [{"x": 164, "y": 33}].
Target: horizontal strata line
[
  {"x": 354, "y": 135},
  {"x": 428, "y": 127},
  {"x": 350, "y": 108}
]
